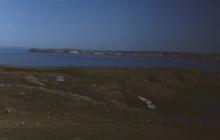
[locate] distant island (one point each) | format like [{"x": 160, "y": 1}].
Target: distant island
[{"x": 127, "y": 53}]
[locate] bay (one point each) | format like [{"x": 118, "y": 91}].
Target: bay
[{"x": 21, "y": 57}]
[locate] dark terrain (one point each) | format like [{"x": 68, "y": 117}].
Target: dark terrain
[
  {"x": 108, "y": 104},
  {"x": 192, "y": 55}
]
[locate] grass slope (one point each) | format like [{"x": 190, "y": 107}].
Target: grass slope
[{"x": 100, "y": 103}]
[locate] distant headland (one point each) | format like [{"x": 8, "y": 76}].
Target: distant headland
[{"x": 127, "y": 53}]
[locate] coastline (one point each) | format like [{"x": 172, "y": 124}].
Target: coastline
[
  {"x": 22, "y": 58},
  {"x": 171, "y": 54}
]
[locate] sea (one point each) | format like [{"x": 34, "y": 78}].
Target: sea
[{"x": 22, "y": 57}]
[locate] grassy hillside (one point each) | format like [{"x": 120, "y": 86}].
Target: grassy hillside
[{"x": 94, "y": 103}]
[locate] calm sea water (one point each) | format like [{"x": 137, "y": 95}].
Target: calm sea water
[{"x": 21, "y": 57}]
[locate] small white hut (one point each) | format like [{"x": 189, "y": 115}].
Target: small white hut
[{"x": 60, "y": 78}]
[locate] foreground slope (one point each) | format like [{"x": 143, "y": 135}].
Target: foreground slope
[{"x": 99, "y": 103}]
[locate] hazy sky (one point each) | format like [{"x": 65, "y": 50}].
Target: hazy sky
[{"x": 183, "y": 25}]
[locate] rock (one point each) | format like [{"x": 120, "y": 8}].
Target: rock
[
  {"x": 37, "y": 123},
  {"x": 93, "y": 85},
  {"x": 148, "y": 102},
  {"x": 10, "y": 110},
  {"x": 34, "y": 80},
  {"x": 149, "y": 121},
  {"x": 4, "y": 138},
  {"x": 78, "y": 138},
  {"x": 2, "y": 85},
  {"x": 25, "y": 112}
]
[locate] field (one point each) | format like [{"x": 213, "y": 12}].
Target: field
[{"x": 106, "y": 104}]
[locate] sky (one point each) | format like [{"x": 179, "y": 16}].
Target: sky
[{"x": 166, "y": 25}]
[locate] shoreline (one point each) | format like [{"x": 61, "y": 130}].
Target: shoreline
[
  {"x": 24, "y": 59},
  {"x": 171, "y": 54}
]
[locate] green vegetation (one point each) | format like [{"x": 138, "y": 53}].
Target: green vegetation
[{"x": 94, "y": 103}]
